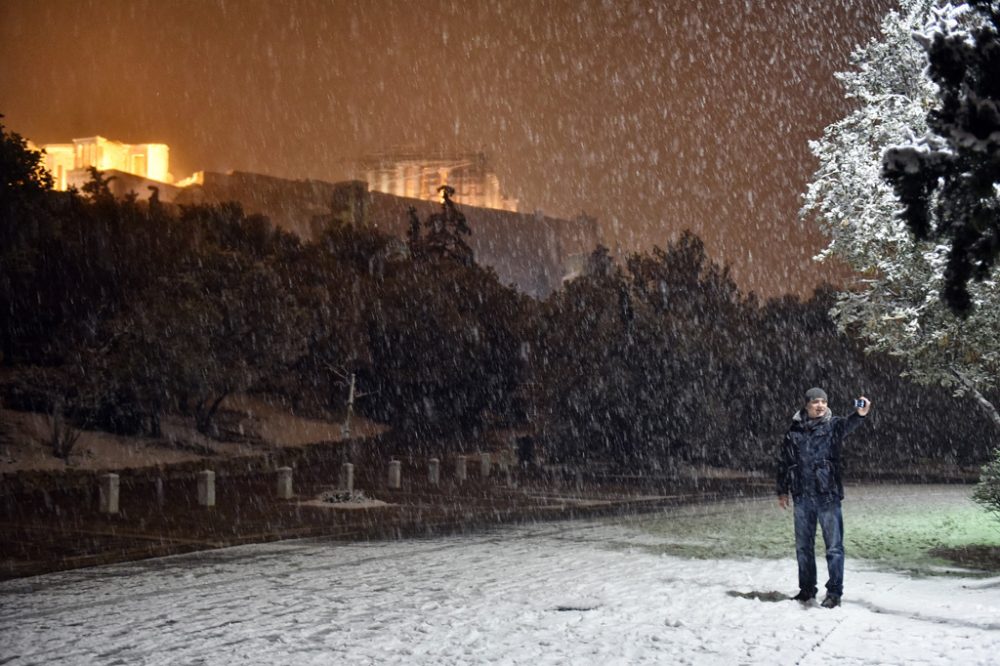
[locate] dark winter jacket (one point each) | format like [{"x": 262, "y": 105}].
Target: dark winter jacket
[{"x": 809, "y": 460}]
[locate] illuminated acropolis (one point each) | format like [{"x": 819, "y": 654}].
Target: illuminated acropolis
[
  {"x": 418, "y": 175},
  {"x": 68, "y": 162},
  {"x": 412, "y": 174},
  {"x": 532, "y": 251}
]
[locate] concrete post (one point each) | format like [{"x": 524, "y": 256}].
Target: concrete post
[
  {"x": 579, "y": 479},
  {"x": 508, "y": 477},
  {"x": 160, "y": 497},
  {"x": 484, "y": 465},
  {"x": 460, "y": 472},
  {"x": 346, "y": 477},
  {"x": 206, "y": 488},
  {"x": 395, "y": 474},
  {"x": 109, "y": 493},
  {"x": 434, "y": 472},
  {"x": 285, "y": 483}
]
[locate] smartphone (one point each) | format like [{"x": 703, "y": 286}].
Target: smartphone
[{"x": 860, "y": 403}]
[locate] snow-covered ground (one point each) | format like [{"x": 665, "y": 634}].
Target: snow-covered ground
[{"x": 594, "y": 592}]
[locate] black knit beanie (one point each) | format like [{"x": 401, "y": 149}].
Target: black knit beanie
[{"x": 815, "y": 394}]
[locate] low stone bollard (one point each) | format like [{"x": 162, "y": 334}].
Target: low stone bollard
[
  {"x": 346, "y": 481},
  {"x": 206, "y": 488},
  {"x": 395, "y": 474},
  {"x": 508, "y": 476},
  {"x": 461, "y": 473},
  {"x": 285, "y": 483},
  {"x": 484, "y": 465},
  {"x": 434, "y": 472},
  {"x": 108, "y": 502}
]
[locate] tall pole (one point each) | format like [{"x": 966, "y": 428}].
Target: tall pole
[{"x": 345, "y": 428}]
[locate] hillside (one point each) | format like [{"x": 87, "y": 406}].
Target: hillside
[{"x": 259, "y": 427}]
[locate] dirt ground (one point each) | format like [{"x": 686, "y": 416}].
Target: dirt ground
[
  {"x": 50, "y": 516},
  {"x": 44, "y": 530}
]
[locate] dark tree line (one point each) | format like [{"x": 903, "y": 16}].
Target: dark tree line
[
  {"x": 665, "y": 361},
  {"x": 117, "y": 312}
]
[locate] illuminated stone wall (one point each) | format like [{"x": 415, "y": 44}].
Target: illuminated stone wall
[
  {"x": 60, "y": 160},
  {"x": 68, "y": 162},
  {"x": 418, "y": 176}
]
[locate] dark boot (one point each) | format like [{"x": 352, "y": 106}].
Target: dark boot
[
  {"x": 804, "y": 597},
  {"x": 831, "y": 601}
]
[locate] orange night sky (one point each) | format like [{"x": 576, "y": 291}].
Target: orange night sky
[{"x": 651, "y": 116}]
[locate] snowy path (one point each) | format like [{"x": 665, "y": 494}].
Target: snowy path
[{"x": 565, "y": 593}]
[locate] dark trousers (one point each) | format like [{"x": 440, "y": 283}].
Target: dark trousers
[{"x": 826, "y": 511}]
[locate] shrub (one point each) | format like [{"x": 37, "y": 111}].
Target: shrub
[{"x": 987, "y": 493}]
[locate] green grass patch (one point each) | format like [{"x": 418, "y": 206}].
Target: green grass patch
[{"x": 927, "y": 530}]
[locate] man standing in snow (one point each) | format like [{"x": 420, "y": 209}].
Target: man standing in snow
[{"x": 809, "y": 469}]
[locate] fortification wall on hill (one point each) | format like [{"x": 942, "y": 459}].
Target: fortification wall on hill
[{"x": 532, "y": 252}]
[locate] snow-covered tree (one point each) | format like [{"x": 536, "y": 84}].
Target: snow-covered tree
[
  {"x": 949, "y": 179},
  {"x": 893, "y": 301}
]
